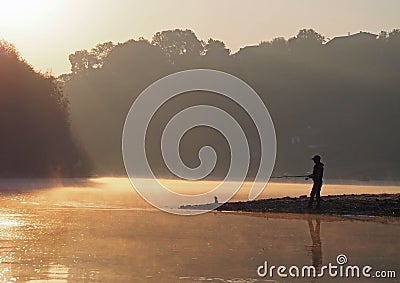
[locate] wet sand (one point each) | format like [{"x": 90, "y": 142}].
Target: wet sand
[{"x": 101, "y": 231}]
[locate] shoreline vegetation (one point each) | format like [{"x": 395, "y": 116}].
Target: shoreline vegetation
[
  {"x": 311, "y": 86},
  {"x": 35, "y": 123},
  {"x": 71, "y": 125},
  {"x": 340, "y": 205}
]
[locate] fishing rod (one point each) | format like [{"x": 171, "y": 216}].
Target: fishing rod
[{"x": 289, "y": 176}]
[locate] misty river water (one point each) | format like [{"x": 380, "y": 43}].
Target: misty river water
[{"x": 100, "y": 230}]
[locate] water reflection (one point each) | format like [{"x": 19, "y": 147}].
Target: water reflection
[
  {"x": 29, "y": 245},
  {"x": 79, "y": 235},
  {"x": 57, "y": 272},
  {"x": 316, "y": 247}
]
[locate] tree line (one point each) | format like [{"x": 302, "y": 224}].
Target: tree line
[
  {"x": 338, "y": 98},
  {"x": 36, "y": 140}
]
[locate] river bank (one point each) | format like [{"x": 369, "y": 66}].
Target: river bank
[{"x": 363, "y": 204}]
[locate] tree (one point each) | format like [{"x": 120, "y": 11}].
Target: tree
[
  {"x": 383, "y": 35},
  {"x": 34, "y": 123},
  {"x": 394, "y": 35},
  {"x": 8, "y": 49},
  {"x": 311, "y": 36},
  {"x": 306, "y": 41},
  {"x": 101, "y": 51},
  {"x": 82, "y": 60},
  {"x": 175, "y": 43},
  {"x": 278, "y": 46},
  {"x": 216, "y": 48}
]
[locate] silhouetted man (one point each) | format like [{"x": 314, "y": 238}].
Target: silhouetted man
[{"x": 318, "y": 172}]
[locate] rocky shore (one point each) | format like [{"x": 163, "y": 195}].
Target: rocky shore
[{"x": 365, "y": 204}]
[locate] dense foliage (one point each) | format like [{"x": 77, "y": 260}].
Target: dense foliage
[
  {"x": 35, "y": 131},
  {"x": 339, "y": 98}
]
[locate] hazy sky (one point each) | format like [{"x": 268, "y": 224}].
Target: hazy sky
[{"x": 46, "y": 31}]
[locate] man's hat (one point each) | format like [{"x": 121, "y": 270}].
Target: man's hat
[{"x": 316, "y": 157}]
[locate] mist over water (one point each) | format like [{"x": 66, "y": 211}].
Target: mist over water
[
  {"x": 272, "y": 189},
  {"x": 117, "y": 192},
  {"x": 100, "y": 230}
]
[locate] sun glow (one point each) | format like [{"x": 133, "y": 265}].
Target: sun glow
[{"x": 26, "y": 16}]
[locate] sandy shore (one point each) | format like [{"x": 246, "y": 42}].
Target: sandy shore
[{"x": 364, "y": 204}]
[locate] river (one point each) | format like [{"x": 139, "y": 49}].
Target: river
[{"x": 100, "y": 230}]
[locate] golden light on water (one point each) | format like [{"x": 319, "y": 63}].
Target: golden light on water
[
  {"x": 7, "y": 221},
  {"x": 9, "y": 224},
  {"x": 101, "y": 230}
]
